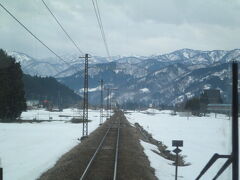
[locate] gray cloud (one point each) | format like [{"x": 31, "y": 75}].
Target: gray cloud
[
  {"x": 218, "y": 12},
  {"x": 140, "y": 27}
]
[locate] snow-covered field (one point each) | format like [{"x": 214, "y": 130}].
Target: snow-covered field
[
  {"x": 28, "y": 149},
  {"x": 202, "y": 136}
]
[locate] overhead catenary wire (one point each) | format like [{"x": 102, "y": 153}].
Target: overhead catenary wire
[
  {"x": 103, "y": 32},
  {"x": 85, "y": 99},
  {"x": 67, "y": 34},
  {"x": 55, "y": 18},
  {"x": 31, "y": 33},
  {"x": 99, "y": 20},
  {"x": 58, "y": 22}
]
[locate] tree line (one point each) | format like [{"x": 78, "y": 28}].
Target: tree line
[
  {"x": 48, "y": 88},
  {"x": 12, "y": 95}
]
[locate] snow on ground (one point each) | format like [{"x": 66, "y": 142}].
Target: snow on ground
[
  {"x": 29, "y": 149},
  {"x": 202, "y": 136},
  {"x": 161, "y": 165},
  {"x": 42, "y": 114}
]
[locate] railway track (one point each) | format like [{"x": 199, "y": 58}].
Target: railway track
[
  {"x": 104, "y": 162},
  {"x": 97, "y": 157}
]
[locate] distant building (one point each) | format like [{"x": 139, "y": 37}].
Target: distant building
[
  {"x": 32, "y": 103},
  {"x": 211, "y": 96}
]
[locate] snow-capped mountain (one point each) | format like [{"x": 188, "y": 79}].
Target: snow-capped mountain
[
  {"x": 169, "y": 84},
  {"x": 189, "y": 56},
  {"x": 72, "y": 63},
  {"x": 53, "y": 66},
  {"x": 33, "y": 66},
  {"x": 20, "y": 57},
  {"x": 162, "y": 79}
]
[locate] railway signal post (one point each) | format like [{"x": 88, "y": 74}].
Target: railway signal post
[{"x": 177, "y": 143}]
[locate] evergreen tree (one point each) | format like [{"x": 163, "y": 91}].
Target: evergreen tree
[{"x": 12, "y": 100}]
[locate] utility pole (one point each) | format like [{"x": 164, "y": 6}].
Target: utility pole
[
  {"x": 110, "y": 106},
  {"x": 109, "y": 100},
  {"x": 101, "y": 103},
  {"x": 85, "y": 99},
  {"x": 59, "y": 101}
]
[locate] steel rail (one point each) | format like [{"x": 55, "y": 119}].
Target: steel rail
[
  {"x": 116, "y": 154},
  {"x": 99, "y": 148},
  {"x": 94, "y": 155}
]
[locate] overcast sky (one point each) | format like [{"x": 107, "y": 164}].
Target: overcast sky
[{"x": 132, "y": 27}]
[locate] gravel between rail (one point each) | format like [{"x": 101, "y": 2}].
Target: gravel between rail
[{"x": 132, "y": 163}]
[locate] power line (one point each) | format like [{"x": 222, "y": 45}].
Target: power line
[
  {"x": 103, "y": 33},
  {"x": 34, "y": 35},
  {"x": 67, "y": 34},
  {"x": 69, "y": 37},
  {"x": 99, "y": 20}
]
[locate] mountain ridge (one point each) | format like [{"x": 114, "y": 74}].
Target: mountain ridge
[
  {"x": 53, "y": 67},
  {"x": 162, "y": 79}
]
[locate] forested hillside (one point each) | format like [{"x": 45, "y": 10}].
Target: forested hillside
[
  {"x": 12, "y": 101},
  {"x": 47, "y": 88}
]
